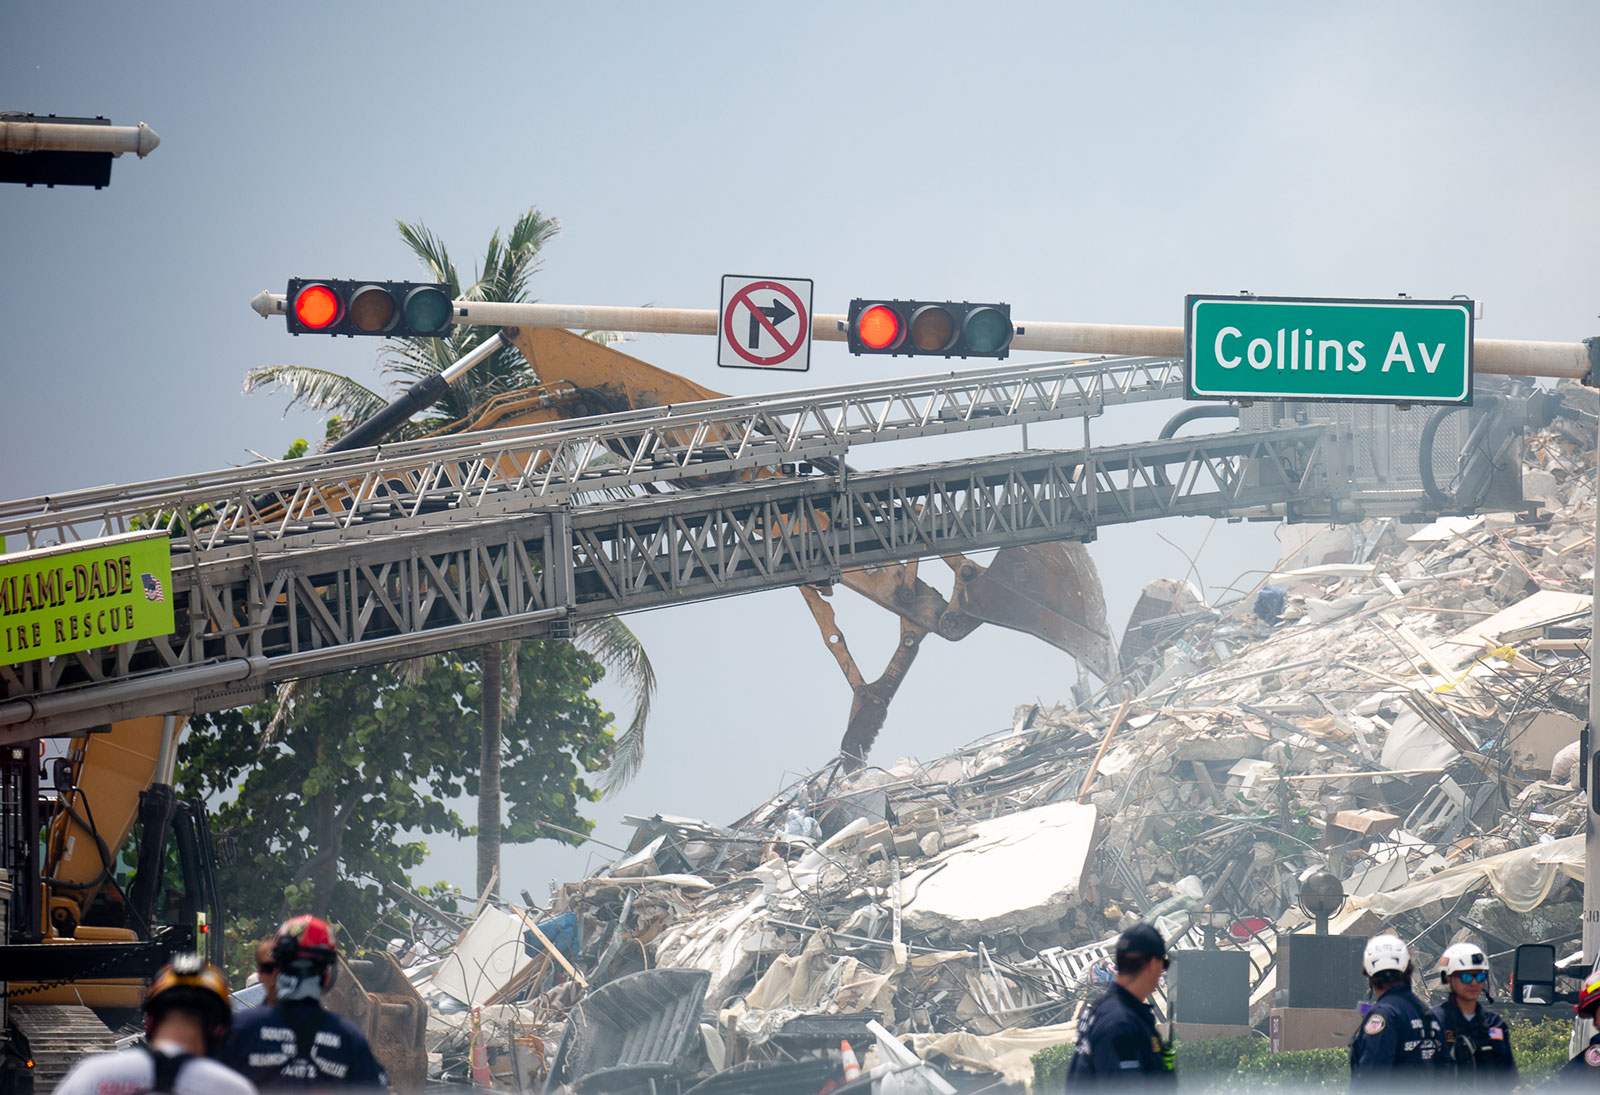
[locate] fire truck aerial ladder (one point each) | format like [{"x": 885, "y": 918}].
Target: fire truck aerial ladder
[{"x": 328, "y": 562}]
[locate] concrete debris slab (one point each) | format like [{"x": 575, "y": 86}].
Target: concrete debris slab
[
  {"x": 486, "y": 959},
  {"x": 1017, "y": 872},
  {"x": 1443, "y": 530}
]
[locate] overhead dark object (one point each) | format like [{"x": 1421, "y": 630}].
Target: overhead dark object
[
  {"x": 387, "y": 309},
  {"x": 56, "y": 168},
  {"x": 929, "y": 328}
]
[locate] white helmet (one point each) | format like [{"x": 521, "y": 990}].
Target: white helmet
[
  {"x": 1461, "y": 957},
  {"x": 1385, "y": 952}
]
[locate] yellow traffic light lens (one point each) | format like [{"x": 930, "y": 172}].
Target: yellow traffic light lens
[
  {"x": 878, "y": 327},
  {"x": 987, "y": 330},
  {"x": 371, "y": 309},
  {"x": 317, "y": 307},
  {"x": 932, "y": 328}
]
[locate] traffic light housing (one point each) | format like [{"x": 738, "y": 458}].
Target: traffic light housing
[
  {"x": 930, "y": 328},
  {"x": 388, "y": 309},
  {"x": 56, "y": 168}
]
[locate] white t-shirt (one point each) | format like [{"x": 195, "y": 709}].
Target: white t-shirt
[{"x": 131, "y": 1071}]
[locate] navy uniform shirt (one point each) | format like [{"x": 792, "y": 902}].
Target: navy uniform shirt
[
  {"x": 1118, "y": 1043},
  {"x": 1398, "y": 1033},
  {"x": 300, "y": 1045},
  {"x": 1584, "y": 1069},
  {"x": 1481, "y": 1044}
]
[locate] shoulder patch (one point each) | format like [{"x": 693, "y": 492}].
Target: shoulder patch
[
  {"x": 1497, "y": 1033},
  {"x": 1374, "y": 1024},
  {"x": 1591, "y": 1056}
]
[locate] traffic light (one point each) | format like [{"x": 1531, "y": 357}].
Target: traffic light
[
  {"x": 56, "y": 166},
  {"x": 391, "y": 309},
  {"x": 929, "y": 328}
]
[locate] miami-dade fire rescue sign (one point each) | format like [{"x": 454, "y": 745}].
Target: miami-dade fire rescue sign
[
  {"x": 79, "y": 596},
  {"x": 1375, "y": 351}
]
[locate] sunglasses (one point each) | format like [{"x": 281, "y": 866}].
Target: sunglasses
[
  {"x": 1473, "y": 977},
  {"x": 266, "y": 967}
]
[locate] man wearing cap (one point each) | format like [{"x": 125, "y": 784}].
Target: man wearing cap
[{"x": 1117, "y": 1038}]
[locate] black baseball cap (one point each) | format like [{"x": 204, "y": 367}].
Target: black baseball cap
[{"x": 1142, "y": 938}]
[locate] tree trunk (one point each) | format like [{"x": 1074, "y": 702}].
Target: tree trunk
[{"x": 489, "y": 770}]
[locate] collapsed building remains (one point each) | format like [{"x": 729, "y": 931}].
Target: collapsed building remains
[{"x": 1396, "y": 705}]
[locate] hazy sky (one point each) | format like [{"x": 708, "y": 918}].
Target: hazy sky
[{"x": 1087, "y": 163}]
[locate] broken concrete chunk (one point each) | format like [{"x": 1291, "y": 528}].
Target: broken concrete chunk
[{"x": 1019, "y": 871}]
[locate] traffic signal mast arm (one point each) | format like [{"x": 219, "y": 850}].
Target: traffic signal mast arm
[
  {"x": 48, "y": 136},
  {"x": 1504, "y": 356}
]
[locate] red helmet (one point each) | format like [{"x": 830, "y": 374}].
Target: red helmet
[
  {"x": 306, "y": 941},
  {"x": 1589, "y": 995}
]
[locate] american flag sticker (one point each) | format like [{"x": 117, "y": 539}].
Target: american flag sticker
[{"x": 152, "y": 588}]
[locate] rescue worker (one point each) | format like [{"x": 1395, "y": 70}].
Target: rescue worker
[
  {"x": 1584, "y": 1069},
  {"x": 1476, "y": 1040},
  {"x": 1117, "y": 1039},
  {"x": 267, "y": 968},
  {"x": 186, "y": 1017},
  {"x": 296, "y": 1043},
  {"x": 1399, "y": 1034}
]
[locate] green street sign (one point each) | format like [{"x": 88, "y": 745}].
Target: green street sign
[
  {"x": 80, "y": 596},
  {"x": 1371, "y": 351}
]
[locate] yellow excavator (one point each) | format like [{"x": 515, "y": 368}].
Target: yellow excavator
[
  {"x": 126, "y": 873},
  {"x": 1051, "y": 591},
  {"x": 123, "y": 877}
]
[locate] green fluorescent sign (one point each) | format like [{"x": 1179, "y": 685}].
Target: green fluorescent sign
[
  {"x": 76, "y": 597},
  {"x": 1376, "y": 351}
]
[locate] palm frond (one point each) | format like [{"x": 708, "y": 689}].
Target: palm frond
[
  {"x": 316, "y": 390},
  {"x": 617, "y": 648},
  {"x": 431, "y": 251}
]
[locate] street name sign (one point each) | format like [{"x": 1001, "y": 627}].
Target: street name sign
[
  {"x": 764, "y": 323},
  {"x": 79, "y": 596},
  {"x": 1295, "y": 348}
]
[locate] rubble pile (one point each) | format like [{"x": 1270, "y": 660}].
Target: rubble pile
[{"x": 1397, "y": 705}]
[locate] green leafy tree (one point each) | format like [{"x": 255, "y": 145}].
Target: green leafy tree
[
  {"x": 328, "y": 782},
  {"x": 505, "y": 275}
]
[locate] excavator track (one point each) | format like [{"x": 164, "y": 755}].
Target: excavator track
[{"x": 59, "y": 1036}]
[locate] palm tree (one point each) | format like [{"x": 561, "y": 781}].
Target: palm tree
[{"x": 504, "y": 276}]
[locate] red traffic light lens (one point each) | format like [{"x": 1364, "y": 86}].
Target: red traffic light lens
[
  {"x": 317, "y": 307},
  {"x": 878, "y": 327},
  {"x": 933, "y": 328}
]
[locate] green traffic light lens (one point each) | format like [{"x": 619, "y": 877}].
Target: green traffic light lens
[
  {"x": 933, "y": 328},
  {"x": 427, "y": 311},
  {"x": 372, "y": 309},
  {"x": 987, "y": 330}
]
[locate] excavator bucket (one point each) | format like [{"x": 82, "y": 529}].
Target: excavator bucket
[
  {"x": 1049, "y": 590},
  {"x": 374, "y": 994}
]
